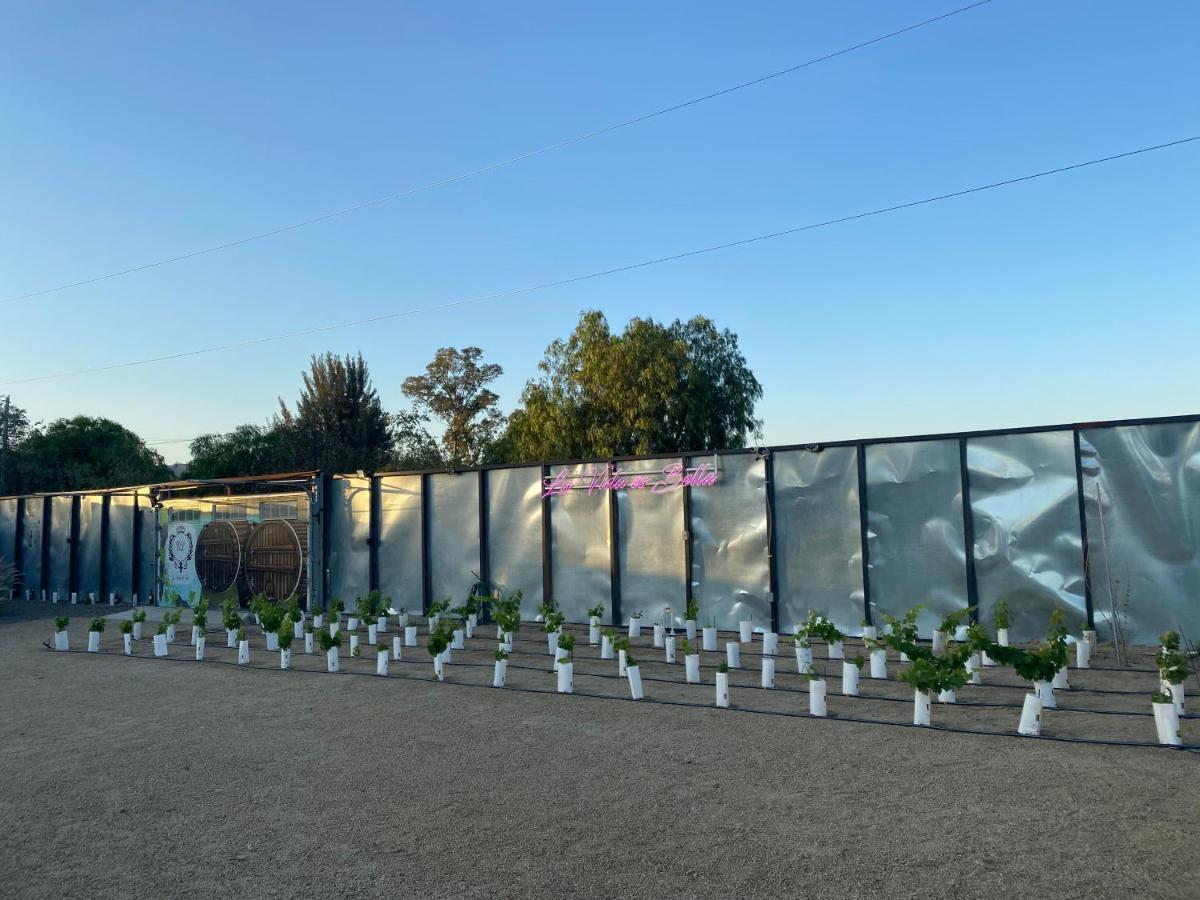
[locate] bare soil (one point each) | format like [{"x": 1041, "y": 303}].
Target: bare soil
[{"x": 143, "y": 777}]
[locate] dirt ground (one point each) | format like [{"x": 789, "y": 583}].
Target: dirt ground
[{"x": 141, "y": 777}]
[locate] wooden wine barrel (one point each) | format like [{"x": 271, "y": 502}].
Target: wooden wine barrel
[
  {"x": 219, "y": 554},
  {"x": 276, "y": 559}
]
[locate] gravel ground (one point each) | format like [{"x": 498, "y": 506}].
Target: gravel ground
[{"x": 140, "y": 777}]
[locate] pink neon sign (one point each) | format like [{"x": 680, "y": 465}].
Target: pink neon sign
[{"x": 674, "y": 476}]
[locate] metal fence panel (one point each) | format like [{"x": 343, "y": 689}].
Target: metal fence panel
[
  {"x": 149, "y": 551},
  {"x": 348, "y": 511},
  {"x": 514, "y": 516},
  {"x": 651, "y": 534},
  {"x": 730, "y": 572},
  {"x": 91, "y": 532},
  {"x": 1025, "y": 513},
  {"x": 1142, "y": 493},
  {"x": 60, "y": 548},
  {"x": 453, "y": 535},
  {"x": 580, "y": 565},
  {"x": 8, "y": 531},
  {"x": 31, "y": 552},
  {"x": 120, "y": 547},
  {"x": 915, "y": 538},
  {"x": 400, "y": 541},
  {"x": 817, "y": 537}
]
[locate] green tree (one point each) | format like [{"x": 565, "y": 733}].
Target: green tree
[
  {"x": 652, "y": 389},
  {"x": 14, "y": 428},
  {"x": 339, "y": 424},
  {"x": 247, "y": 450},
  {"x": 454, "y": 388},
  {"x": 84, "y": 453}
]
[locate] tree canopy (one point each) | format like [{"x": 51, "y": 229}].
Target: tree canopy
[
  {"x": 454, "y": 388},
  {"x": 652, "y": 389},
  {"x": 84, "y": 453}
]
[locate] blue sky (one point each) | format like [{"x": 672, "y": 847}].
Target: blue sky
[{"x": 135, "y": 131}]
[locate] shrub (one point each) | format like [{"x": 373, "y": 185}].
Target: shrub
[
  {"x": 285, "y": 639},
  {"x": 139, "y": 616},
  {"x": 597, "y": 610},
  {"x": 98, "y": 625},
  {"x": 723, "y": 666},
  {"x": 500, "y": 654},
  {"x": 61, "y": 623},
  {"x": 567, "y": 642},
  {"x": 687, "y": 649},
  {"x": 127, "y": 627},
  {"x": 952, "y": 621},
  {"x": 1000, "y": 616},
  {"x": 693, "y": 608},
  {"x": 329, "y": 641}
]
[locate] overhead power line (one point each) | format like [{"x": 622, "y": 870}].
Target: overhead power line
[
  {"x": 561, "y": 282},
  {"x": 491, "y": 167}
]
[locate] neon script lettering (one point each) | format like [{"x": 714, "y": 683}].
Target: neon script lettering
[{"x": 674, "y": 476}]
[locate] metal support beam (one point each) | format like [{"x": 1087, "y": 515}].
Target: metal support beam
[
  {"x": 374, "y": 531},
  {"x": 1083, "y": 530},
  {"x": 426, "y": 571},
  {"x": 105, "y": 526},
  {"x": 547, "y": 579},
  {"x": 73, "y": 546},
  {"x": 485, "y": 564},
  {"x": 968, "y": 530},
  {"x": 772, "y": 569},
  {"x": 135, "y": 579},
  {"x": 688, "y": 582},
  {"x": 614, "y": 558},
  {"x": 860, "y": 456}
]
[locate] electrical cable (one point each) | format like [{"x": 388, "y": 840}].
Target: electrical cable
[
  {"x": 491, "y": 167},
  {"x": 603, "y": 273}
]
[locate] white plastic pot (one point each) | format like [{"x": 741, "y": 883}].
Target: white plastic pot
[
  {"x": 768, "y": 672},
  {"x": 606, "y": 647},
  {"x": 353, "y": 643},
  {"x": 170, "y": 634},
  {"x": 635, "y": 627},
  {"x": 318, "y": 621},
  {"x": 803, "y": 659},
  {"x": 93, "y": 642},
  {"x": 473, "y": 620},
  {"x": 594, "y": 631},
  {"x": 160, "y": 645},
  {"x": 285, "y": 658},
  {"x": 381, "y": 662},
  {"x": 334, "y": 627},
  {"x": 506, "y": 641},
  {"x": 870, "y": 633},
  {"x": 669, "y": 649},
  {"x": 960, "y": 633},
  {"x": 1002, "y": 637},
  {"x": 402, "y": 620},
  {"x": 91, "y": 598},
  {"x": 921, "y": 707},
  {"x": 230, "y": 637},
  {"x": 836, "y": 651},
  {"x": 974, "y": 668},
  {"x": 816, "y": 697},
  {"x": 137, "y": 631},
  {"x": 1045, "y": 692},
  {"x": 939, "y": 642},
  {"x": 689, "y": 626},
  {"x": 552, "y": 642},
  {"x": 1061, "y": 682},
  {"x": 691, "y": 665},
  {"x": 297, "y": 630},
  {"x": 74, "y": 598},
  {"x": 709, "y": 638},
  {"x": 566, "y": 675},
  {"x": 458, "y": 639},
  {"x": 410, "y": 635},
  {"x": 128, "y": 641},
  {"x": 723, "y": 689},
  {"x": 243, "y": 653},
  {"x": 381, "y": 625},
  {"x": 746, "y": 631},
  {"x": 1031, "y": 716},
  {"x": 500, "y": 673},
  {"x": 1090, "y": 637},
  {"x": 879, "y": 663},
  {"x": 635, "y": 682},
  {"x": 112, "y": 599},
  {"x": 903, "y": 656},
  {"x": 195, "y": 634},
  {"x": 770, "y": 643},
  {"x": 352, "y": 624},
  {"x": 1166, "y": 720},
  {"x": 331, "y": 659},
  {"x": 560, "y": 653},
  {"x": 308, "y": 643},
  {"x": 947, "y": 697},
  {"x": 621, "y": 667},
  {"x": 1176, "y": 692},
  {"x": 850, "y": 675},
  {"x": 988, "y": 661},
  {"x": 373, "y": 634},
  {"x": 1083, "y": 654},
  {"x": 200, "y": 650},
  {"x": 272, "y": 641},
  {"x": 659, "y": 634},
  {"x": 733, "y": 655}
]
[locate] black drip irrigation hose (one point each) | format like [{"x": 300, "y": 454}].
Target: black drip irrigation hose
[{"x": 1104, "y": 742}]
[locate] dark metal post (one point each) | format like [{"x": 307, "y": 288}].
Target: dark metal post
[
  {"x": 614, "y": 552},
  {"x": 19, "y": 543},
  {"x": 135, "y": 581},
  {"x": 547, "y": 579},
  {"x": 1083, "y": 531},
  {"x": 860, "y": 455},
  {"x": 968, "y": 530},
  {"x": 318, "y": 516},
  {"x": 426, "y": 573},
  {"x": 105, "y": 507},
  {"x": 485, "y": 575},
  {"x": 772, "y": 569},
  {"x": 73, "y": 544},
  {"x": 44, "y": 571},
  {"x": 374, "y": 530},
  {"x": 688, "y": 583}
]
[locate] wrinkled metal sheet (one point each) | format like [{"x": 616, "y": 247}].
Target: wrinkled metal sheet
[
  {"x": 915, "y": 539},
  {"x": 348, "y": 520},
  {"x": 91, "y": 515},
  {"x": 514, "y": 516},
  {"x": 31, "y": 552},
  {"x": 120, "y": 547},
  {"x": 580, "y": 565},
  {"x": 60, "y": 547},
  {"x": 8, "y": 529},
  {"x": 1144, "y": 527},
  {"x": 1025, "y": 513},
  {"x": 650, "y": 530},
  {"x": 817, "y": 537},
  {"x": 400, "y": 541},
  {"x": 730, "y": 572},
  {"x": 453, "y": 535}
]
